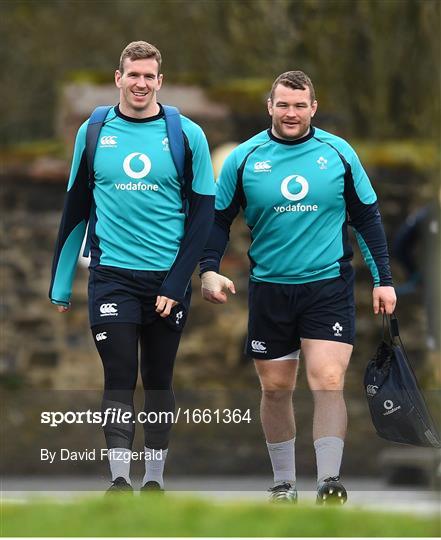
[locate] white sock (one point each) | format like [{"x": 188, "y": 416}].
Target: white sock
[
  {"x": 329, "y": 453},
  {"x": 154, "y": 465},
  {"x": 119, "y": 461},
  {"x": 282, "y": 460}
]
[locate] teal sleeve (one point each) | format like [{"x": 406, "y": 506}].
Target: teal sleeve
[
  {"x": 73, "y": 225},
  {"x": 203, "y": 177},
  {"x": 226, "y": 191},
  {"x": 365, "y": 218},
  {"x": 363, "y": 185}
]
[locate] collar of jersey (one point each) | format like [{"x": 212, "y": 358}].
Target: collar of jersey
[
  {"x": 140, "y": 120},
  {"x": 291, "y": 143}
]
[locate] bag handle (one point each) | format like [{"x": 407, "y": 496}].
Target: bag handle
[{"x": 392, "y": 326}]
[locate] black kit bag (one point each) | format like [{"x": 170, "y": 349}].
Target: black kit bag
[{"x": 397, "y": 406}]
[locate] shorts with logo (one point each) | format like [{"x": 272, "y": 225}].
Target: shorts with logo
[
  {"x": 280, "y": 315},
  {"x": 129, "y": 296}
]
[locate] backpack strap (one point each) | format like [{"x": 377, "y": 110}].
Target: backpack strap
[
  {"x": 94, "y": 126},
  {"x": 177, "y": 148},
  {"x": 175, "y": 137}
]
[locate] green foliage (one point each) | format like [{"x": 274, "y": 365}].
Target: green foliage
[
  {"x": 417, "y": 154},
  {"x": 242, "y": 94},
  {"x": 80, "y": 76},
  {"x": 30, "y": 150},
  {"x": 167, "y": 516},
  {"x": 11, "y": 381},
  {"x": 375, "y": 63}
]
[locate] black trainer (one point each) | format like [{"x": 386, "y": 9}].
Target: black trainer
[
  {"x": 120, "y": 485},
  {"x": 284, "y": 492},
  {"x": 151, "y": 487},
  {"x": 331, "y": 491}
]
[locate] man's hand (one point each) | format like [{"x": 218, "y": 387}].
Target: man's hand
[
  {"x": 63, "y": 309},
  {"x": 164, "y": 305},
  {"x": 384, "y": 300},
  {"x": 213, "y": 287}
]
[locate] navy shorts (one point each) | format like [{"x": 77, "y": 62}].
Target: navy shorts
[
  {"x": 280, "y": 315},
  {"x": 129, "y": 296}
]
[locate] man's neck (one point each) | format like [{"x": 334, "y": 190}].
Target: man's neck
[
  {"x": 278, "y": 136},
  {"x": 152, "y": 110}
]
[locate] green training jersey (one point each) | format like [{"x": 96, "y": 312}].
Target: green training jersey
[{"x": 298, "y": 198}]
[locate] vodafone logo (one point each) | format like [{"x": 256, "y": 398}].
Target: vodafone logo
[
  {"x": 127, "y": 165},
  {"x": 109, "y": 310},
  {"x": 390, "y": 407},
  {"x": 294, "y": 196}
]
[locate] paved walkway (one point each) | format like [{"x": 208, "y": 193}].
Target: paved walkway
[{"x": 368, "y": 494}]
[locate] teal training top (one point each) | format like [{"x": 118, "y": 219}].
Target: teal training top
[
  {"x": 298, "y": 198},
  {"x": 136, "y": 209}
]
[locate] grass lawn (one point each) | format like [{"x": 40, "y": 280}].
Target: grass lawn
[{"x": 170, "y": 516}]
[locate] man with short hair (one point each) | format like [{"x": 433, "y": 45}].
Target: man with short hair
[
  {"x": 300, "y": 187},
  {"x": 147, "y": 229}
]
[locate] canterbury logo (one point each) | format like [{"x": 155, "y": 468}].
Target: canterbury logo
[
  {"x": 258, "y": 346},
  {"x": 179, "y": 316},
  {"x": 109, "y": 140},
  {"x": 262, "y": 166},
  {"x": 371, "y": 389},
  {"x": 101, "y": 336},
  {"x": 108, "y": 309}
]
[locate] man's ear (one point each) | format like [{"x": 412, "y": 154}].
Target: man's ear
[
  {"x": 269, "y": 104},
  {"x": 118, "y": 76}
]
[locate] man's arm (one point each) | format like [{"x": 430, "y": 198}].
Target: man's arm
[
  {"x": 197, "y": 226},
  {"x": 365, "y": 218},
  {"x": 73, "y": 224},
  {"x": 228, "y": 202}
]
